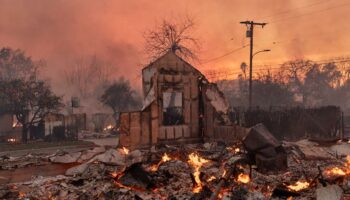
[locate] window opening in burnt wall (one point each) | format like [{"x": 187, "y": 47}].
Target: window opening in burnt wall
[{"x": 172, "y": 108}]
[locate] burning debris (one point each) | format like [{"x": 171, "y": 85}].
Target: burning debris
[
  {"x": 299, "y": 185},
  {"x": 192, "y": 171},
  {"x": 196, "y": 162}
]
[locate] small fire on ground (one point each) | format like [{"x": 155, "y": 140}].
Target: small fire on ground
[
  {"x": 243, "y": 178},
  {"x": 125, "y": 150},
  {"x": 299, "y": 185},
  {"x": 197, "y": 162},
  {"x": 203, "y": 180},
  {"x": 339, "y": 171},
  {"x": 165, "y": 158}
]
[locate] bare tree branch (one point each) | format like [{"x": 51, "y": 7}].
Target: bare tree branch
[{"x": 176, "y": 37}]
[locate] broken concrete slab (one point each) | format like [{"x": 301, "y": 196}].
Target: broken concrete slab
[
  {"x": 341, "y": 149},
  {"x": 312, "y": 151},
  {"x": 91, "y": 153},
  {"x": 111, "y": 156},
  {"x": 108, "y": 141},
  {"x": 134, "y": 157},
  {"x": 66, "y": 158},
  {"x": 333, "y": 192},
  {"x": 77, "y": 170}
]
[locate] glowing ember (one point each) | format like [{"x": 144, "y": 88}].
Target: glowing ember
[
  {"x": 128, "y": 187},
  {"x": 335, "y": 171},
  {"x": 243, "y": 178},
  {"x": 299, "y": 185},
  {"x": 211, "y": 178},
  {"x": 11, "y": 140},
  {"x": 125, "y": 150},
  {"x": 165, "y": 158},
  {"x": 109, "y": 127},
  {"x": 154, "y": 168},
  {"x": 237, "y": 150},
  {"x": 347, "y": 164},
  {"x": 224, "y": 173},
  {"x": 21, "y": 194},
  {"x": 234, "y": 149},
  {"x": 196, "y": 161},
  {"x": 114, "y": 174}
]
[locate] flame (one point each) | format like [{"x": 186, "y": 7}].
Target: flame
[
  {"x": 109, "y": 127},
  {"x": 165, "y": 158},
  {"x": 299, "y": 185},
  {"x": 196, "y": 161},
  {"x": 335, "y": 171},
  {"x": 243, "y": 178},
  {"x": 11, "y": 140},
  {"x": 234, "y": 149},
  {"x": 125, "y": 150}
]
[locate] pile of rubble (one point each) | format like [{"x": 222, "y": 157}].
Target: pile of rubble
[{"x": 192, "y": 171}]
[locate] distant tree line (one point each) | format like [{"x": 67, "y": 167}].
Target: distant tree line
[{"x": 295, "y": 83}]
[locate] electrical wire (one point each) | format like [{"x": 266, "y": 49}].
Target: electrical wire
[
  {"x": 293, "y": 9},
  {"x": 225, "y": 74},
  {"x": 224, "y": 55},
  {"x": 310, "y": 13}
]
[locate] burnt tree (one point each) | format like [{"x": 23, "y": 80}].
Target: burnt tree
[
  {"x": 119, "y": 96},
  {"x": 28, "y": 98},
  {"x": 30, "y": 101},
  {"x": 172, "y": 36}
]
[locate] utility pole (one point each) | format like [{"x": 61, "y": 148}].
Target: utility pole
[{"x": 250, "y": 32}]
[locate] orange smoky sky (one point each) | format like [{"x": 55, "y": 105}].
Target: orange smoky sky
[{"x": 63, "y": 31}]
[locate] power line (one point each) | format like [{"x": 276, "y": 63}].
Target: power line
[
  {"x": 280, "y": 20},
  {"x": 219, "y": 75},
  {"x": 310, "y": 13},
  {"x": 224, "y": 55},
  {"x": 292, "y": 9}
]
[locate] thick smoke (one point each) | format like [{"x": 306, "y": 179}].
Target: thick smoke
[{"x": 62, "y": 32}]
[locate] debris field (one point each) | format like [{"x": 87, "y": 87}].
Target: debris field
[{"x": 191, "y": 171}]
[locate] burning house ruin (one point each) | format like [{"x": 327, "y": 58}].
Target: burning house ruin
[{"x": 180, "y": 105}]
